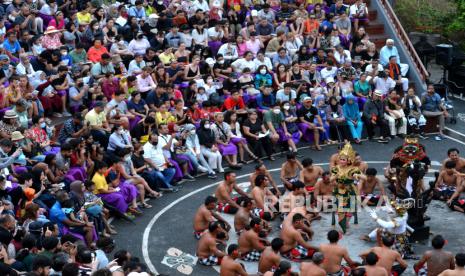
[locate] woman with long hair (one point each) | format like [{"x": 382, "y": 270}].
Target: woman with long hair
[{"x": 237, "y": 139}]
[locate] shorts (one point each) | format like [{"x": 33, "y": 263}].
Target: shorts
[
  {"x": 299, "y": 253},
  {"x": 257, "y": 212},
  {"x": 210, "y": 261},
  {"x": 252, "y": 256}
]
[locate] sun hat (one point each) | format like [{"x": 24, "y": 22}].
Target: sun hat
[
  {"x": 10, "y": 114},
  {"x": 51, "y": 30},
  {"x": 16, "y": 135}
]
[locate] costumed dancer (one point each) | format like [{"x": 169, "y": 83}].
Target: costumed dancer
[{"x": 345, "y": 175}]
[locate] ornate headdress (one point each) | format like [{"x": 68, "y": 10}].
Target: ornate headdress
[
  {"x": 411, "y": 150},
  {"x": 402, "y": 205},
  {"x": 348, "y": 152}
]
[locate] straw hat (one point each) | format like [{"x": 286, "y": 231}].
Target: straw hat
[
  {"x": 51, "y": 30},
  {"x": 10, "y": 114},
  {"x": 16, "y": 135}
]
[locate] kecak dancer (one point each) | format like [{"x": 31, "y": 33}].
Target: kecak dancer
[{"x": 345, "y": 174}]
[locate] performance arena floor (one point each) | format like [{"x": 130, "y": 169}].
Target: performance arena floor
[{"x": 169, "y": 223}]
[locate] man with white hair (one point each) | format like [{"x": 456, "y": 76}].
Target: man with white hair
[{"x": 388, "y": 51}]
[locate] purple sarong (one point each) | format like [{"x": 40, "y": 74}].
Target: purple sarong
[
  {"x": 237, "y": 140},
  {"x": 283, "y": 138},
  {"x": 307, "y": 133},
  {"x": 229, "y": 149}
]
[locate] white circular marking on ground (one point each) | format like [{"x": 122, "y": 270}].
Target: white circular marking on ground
[{"x": 148, "y": 228}]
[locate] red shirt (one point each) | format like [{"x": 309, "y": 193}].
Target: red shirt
[{"x": 231, "y": 104}]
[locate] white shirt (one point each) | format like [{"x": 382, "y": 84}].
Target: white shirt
[
  {"x": 213, "y": 33},
  {"x": 340, "y": 58},
  {"x": 138, "y": 46},
  {"x": 266, "y": 61},
  {"x": 324, "y": 73},
  {"x": 369, "y": 68},
  {"x": 155, "y": 155},
  {"x": 384, "y": 84},
  {"x": 21, "y": 69},
  {"x": 200, "y": 38},
  {"x": 145, "y": 84},
  {"x": 281, "y": 97},
  {"x": 135, "y": 68},
  {"x": 202, "y": 6},
  {"x": 242, "y": 63},
  {"x": 228, "y": 51},
  {"x": 163, "y": 141}
]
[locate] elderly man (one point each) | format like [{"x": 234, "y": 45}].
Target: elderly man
[
  {"x": 432, "y": 106},
  {"x": 388, "y": 51}
]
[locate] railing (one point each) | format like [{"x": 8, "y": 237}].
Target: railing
[{"x": 404, "y": 37}]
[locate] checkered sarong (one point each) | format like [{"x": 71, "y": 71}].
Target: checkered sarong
[
  {"x": 210, "y": 261},
  {"x": 257, "y": 212},
  {"x": 252, "y": 256},
  {"x": 298, "y": 253},
  {"x": 198, "y": 235}
]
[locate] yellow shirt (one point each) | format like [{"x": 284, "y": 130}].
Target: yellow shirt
[
  {"x": 95, "y": 119},
  {"x": 84, "y": 17},
  {"x": 100, "y": 183},
  {"x": 166, "y": 58},
  {"x": 166, "y": 119}
]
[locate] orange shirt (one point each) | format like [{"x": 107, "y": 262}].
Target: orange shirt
[
  {"x": 310, "y": 25},
  {"x": 95, "y": 55}
]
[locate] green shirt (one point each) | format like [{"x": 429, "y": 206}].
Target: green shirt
[
  {"x": 275, "y": 119},
  {"x": 362, "y": 88},
  {"x": 78, "y": 57}
]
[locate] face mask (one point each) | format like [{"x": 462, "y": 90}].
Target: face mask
[
  {"x": 192, "y": 132},
  {"x": 5, "y": 66},
  {"x": 276, "y": 111},
  {"x": 64, "y": 53},
  {"x": 43, "y": 125},
  {"x": 127, "y": 158},
  {"x": 96, "y": 27},
  {"x": 286, "y": 107},
  {"x": 209, "y": 81},
  {"x": 120, "y": 132},
  {"x": 221, "y": 62},
  {"x": 263, "y": 71},
  {"x": 206, "y": 126}
]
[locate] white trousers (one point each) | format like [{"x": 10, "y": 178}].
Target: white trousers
[
  {"x": 404, "y": 69},
  {"x": 392, "y": 125},
  {"x": 214, "y": 158}
]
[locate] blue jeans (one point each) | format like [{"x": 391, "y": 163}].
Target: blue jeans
[{"x": 165, "y": 176}]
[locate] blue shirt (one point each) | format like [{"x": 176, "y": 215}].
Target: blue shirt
[
  {"x": 386, "y": 53},
  {"x": 57, "y": 216},
  {"x": 264, "y": 102},
  {"x": 12, "y": 48},
  {"x": 431, "y": 103}
]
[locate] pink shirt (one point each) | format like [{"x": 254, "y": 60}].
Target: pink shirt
[{"x": 253, "y": 46}]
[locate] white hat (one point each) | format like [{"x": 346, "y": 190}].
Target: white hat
[
  {"x": 254, "y": 13},
  {"x": 329, "y": 80}
]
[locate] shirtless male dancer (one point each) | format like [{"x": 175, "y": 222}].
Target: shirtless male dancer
[
  {"x": 358, "y": 162},
  {"x": 453, "y": 155},
  {"x": 387, "y": 257},
  {"x": 261, "y": 169},
  {"x": 242, "y": 217},
  {"x": 459, "y": 267},
  {"x": 226, "y": 204},
  {"x": 436, "y": 260},
  {"x": 250, "y": 243},
  {"x": 448, "y": 181},
  {"x": 290, "y": 170},
  {"x": 260, "y": 193},
  {"x": 206, "y": 214},
  {"x": 310, "y": 174},
  {"x": 284, "y": 269},
  {"x": 295, "y": 247},
  {"x": 334, "y": 253},
  {"x": 229, "y": 266},
  {"x": 455, "y": 202},
  {"x": 313, "y": 268},
  {"x": 367, "y": 185},
  {"x": 270, "y": 258},
  {"x": 324, "y": 186},
  {"x": 207, "y": 251},
  {"x": 371, "y": 268}
]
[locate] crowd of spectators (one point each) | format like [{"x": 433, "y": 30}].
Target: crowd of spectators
[{"x": 104, "y": 105}]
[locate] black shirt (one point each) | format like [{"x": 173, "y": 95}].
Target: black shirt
[
  {"x": 308, "y": 113},
  {"x": 254, "y": 128}
]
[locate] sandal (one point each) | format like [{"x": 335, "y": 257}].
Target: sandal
[
  {"x": 155, "y": 195},
  {"x": 146, "y": 206},
  {"x": 135, "y": 211}
]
